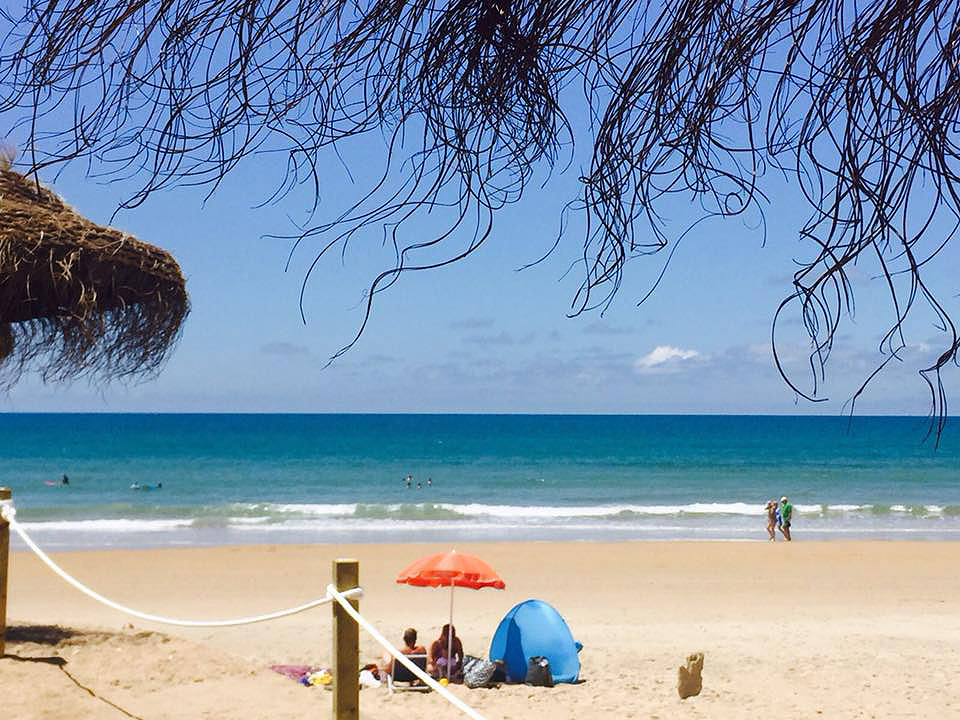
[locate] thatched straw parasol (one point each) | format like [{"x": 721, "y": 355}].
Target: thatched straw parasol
[{"x": 77, "y": 298}]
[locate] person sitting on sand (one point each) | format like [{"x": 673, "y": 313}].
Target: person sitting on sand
[
  {"x": 786, "y": 515},
  {"x": 438, "y": 661},
  {"x": 772, "y": 520},
  {"x": 410, "y": 647}
]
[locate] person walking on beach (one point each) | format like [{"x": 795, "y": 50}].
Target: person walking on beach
[
  {"x": 772, "y": 520},
  {"x": 786, "y": 515}
]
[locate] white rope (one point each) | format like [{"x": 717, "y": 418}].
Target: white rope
[
  {"x": 8, "y": 512},
  {"x": 341, "y": 597}
]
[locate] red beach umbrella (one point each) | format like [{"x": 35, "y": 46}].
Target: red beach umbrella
[{"x": 451, "y": 569}]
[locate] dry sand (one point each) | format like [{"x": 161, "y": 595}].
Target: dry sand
[{"x": 808, "y": 630}]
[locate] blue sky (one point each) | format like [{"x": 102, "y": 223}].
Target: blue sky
[{"x": 479, "y": 336}]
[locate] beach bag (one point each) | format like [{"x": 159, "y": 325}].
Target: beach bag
[
  {"x": 477, "y": 672},
  {"x": 538, "y": 672}
]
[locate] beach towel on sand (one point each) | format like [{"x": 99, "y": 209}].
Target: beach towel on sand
[{"x": 294, "y": 672}]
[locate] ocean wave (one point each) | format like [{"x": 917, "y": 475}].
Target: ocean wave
[
  {"x": 915, "y": 510},
  {"x": 449, "y": 511},
  {"x": 224, "y": 521},
  {"x": 338, "y": 510},
  {"x": 304, "y": 516},
  {"x": 111, "y": 525},
  {"x": 546, "y": 513}
]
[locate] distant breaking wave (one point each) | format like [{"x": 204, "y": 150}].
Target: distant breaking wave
[
  {"x": 450, "y": 524},
  {"x": 447, "y": 511},
  {"x": 123, "y": 525},
  {"x": 253, "y": 515}
]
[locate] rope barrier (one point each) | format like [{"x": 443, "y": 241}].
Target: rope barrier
[
  {"x": 399, "y": 656},
  {"x": 8, "y": 512}
]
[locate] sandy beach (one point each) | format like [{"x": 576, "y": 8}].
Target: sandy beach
[{"x": 808, "y": 630}]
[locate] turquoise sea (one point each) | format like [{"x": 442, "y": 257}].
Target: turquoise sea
[{"x": 235, "y": 479}]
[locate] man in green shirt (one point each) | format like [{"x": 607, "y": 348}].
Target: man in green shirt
[{"x": 786, "y": 515}]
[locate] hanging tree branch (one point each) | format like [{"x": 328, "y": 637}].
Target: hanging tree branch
[{"x": 857, "y": 105}]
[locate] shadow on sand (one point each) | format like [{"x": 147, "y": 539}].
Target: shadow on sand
[{"x": 54, "y": 635}]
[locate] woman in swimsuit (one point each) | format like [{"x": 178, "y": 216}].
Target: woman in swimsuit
[
  {"x": 772, "y": 518},
  {"x": 437, "y": 662}
]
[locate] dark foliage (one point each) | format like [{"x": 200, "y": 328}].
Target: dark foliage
[{"x": 857, "y": 104}]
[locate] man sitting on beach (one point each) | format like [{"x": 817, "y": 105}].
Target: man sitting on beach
[
  {"x": 786, "y": 515},
  {"x": 410, "y": 648}
]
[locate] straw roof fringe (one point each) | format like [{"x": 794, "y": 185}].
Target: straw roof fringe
[{"x": 76, "y": 298}]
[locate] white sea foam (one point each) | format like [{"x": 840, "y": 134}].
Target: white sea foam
[
  {"x": 250, "y": 520},
  {"x": 575, "y": 511},
  {"x": 546, "y": 513},
  {"x": 310, "y": 509},
  {"x": 116, "y": 525},
  {"x": 525, "y": 511},
  {"x": 586, "y": 521},
  {"x": 639, "y": 528}
]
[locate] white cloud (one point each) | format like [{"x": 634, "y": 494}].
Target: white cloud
[{"x": 664, "y": 355}]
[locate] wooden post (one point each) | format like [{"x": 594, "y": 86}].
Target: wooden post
[
  {"x": 346, "y": 645},
  {"x": 4, "y": 555}
]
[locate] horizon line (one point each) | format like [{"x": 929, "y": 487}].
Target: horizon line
[{"x": 479, "y": 413}]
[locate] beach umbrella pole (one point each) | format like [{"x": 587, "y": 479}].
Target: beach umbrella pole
[{"x": 450, "y": 634}]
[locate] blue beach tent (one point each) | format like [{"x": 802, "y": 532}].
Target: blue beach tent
[{"x": 534, "y": 628}]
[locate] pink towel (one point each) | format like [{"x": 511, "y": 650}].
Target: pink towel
[{"x": 294, "y": 672}]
